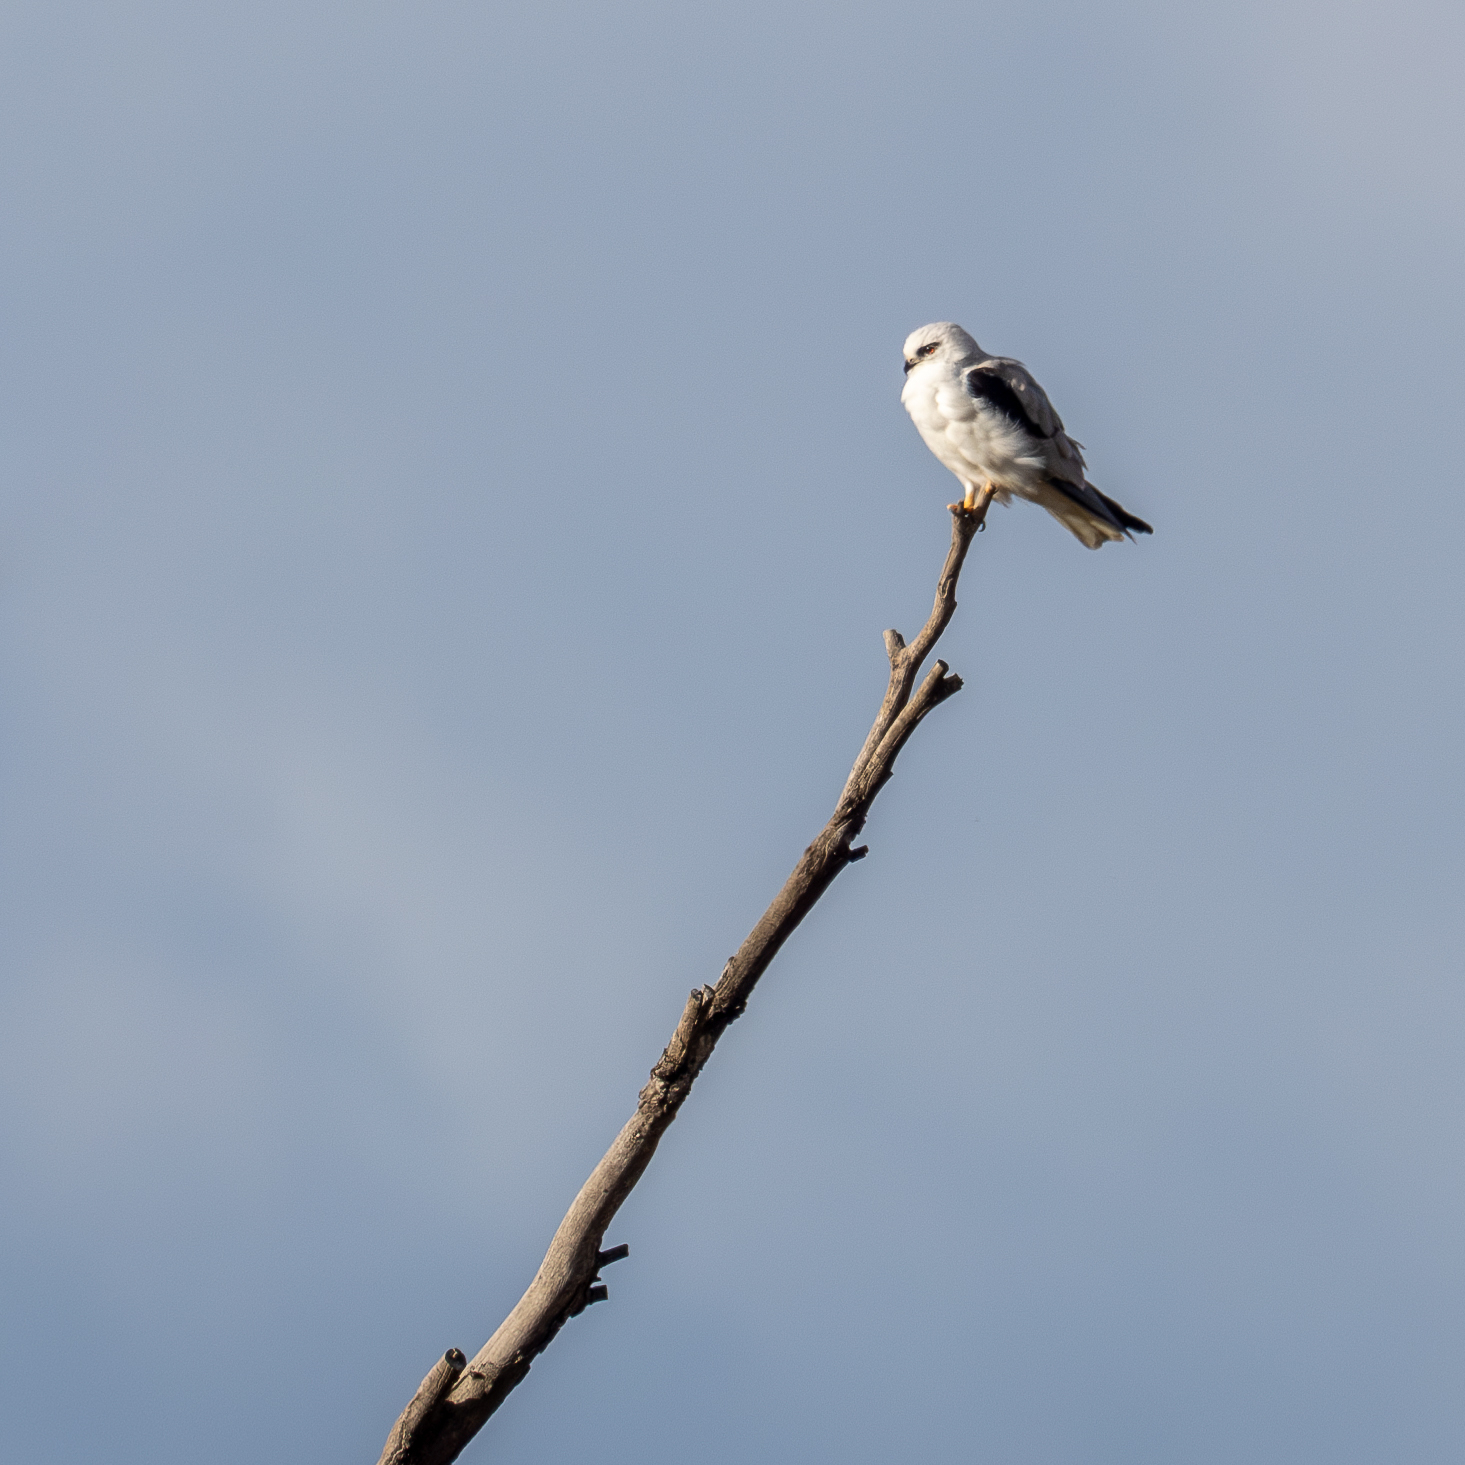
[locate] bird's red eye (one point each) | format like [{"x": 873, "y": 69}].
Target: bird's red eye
[{"x": 927, "y": 349}]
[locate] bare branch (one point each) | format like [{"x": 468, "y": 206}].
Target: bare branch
[
  {"x": 454, "y": 1401},
  {"x": 905, "y": 661}
]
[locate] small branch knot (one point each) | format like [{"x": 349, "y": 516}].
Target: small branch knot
[
  {"x": 430, "y": 1394},
  {"x": 598, "y": 1293},
  {"x": 684, "y": 1044}
]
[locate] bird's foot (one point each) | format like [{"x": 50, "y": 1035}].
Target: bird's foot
[{"x": 976, "y": 501}]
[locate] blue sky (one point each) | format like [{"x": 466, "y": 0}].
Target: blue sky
[{"x": 455, "y": 485}]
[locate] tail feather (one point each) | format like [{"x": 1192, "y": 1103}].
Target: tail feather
[
  {"x": 1122, "y": 516},
  {"x": 1100, "y": 505}
]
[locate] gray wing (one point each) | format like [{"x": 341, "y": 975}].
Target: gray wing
[{"x": 1009, "y": 386}]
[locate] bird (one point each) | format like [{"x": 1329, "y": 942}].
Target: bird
[{"x": 989, "y": 421}]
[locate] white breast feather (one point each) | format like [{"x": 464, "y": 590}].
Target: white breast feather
[{"x": 975, "y": 441}]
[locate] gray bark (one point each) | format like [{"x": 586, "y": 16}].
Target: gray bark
[{"x": 456, "y": 1398}]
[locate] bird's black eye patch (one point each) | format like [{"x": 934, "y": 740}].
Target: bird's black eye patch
[{"x": 927, "y": 349}]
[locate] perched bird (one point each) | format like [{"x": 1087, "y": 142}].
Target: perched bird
[{"x": 988, "y": 421}]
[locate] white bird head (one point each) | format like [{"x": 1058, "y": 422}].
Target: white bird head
[{"x": 939, "y": 342}]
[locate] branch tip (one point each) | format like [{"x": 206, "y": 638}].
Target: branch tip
[
  {"x": 597, "y": 1294},
  {"x": 613, "y": 1254},
  {"x": 859, "y": 853},
  {"x": 933, "y": 680}
]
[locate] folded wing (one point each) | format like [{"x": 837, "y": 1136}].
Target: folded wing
[{"x": 1009, "y": 387}]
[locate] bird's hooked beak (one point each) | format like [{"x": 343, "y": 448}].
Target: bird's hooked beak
[{"x": 908, "y": 366}]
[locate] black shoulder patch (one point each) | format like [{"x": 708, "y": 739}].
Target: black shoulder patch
[{"x": 988, "y": 387}]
